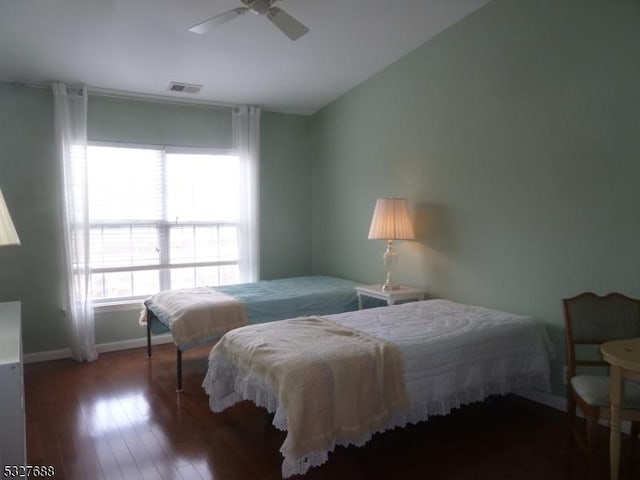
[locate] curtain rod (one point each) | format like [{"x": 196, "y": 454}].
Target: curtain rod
[{"x": 128, "y": 95}]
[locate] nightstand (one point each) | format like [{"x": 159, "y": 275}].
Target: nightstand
[{"x": 399, "y": 294}]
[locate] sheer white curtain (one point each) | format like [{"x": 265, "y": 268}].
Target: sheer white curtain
[
  {"x": 246, "y": 139},
  {"x": 70, "y": 109}
]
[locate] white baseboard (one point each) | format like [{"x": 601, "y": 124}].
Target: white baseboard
[
  {"x": 101, "y": 347},
  {"x": 46, "y": 356},
  {"x": 134, "y": 343}
]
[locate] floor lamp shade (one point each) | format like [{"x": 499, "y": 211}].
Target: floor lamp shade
[
  {"x": 391, "y": 222},
  {"x": 8, "y": 234}
]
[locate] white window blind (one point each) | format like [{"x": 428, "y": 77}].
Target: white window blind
[{"x": 161, "y": 218}]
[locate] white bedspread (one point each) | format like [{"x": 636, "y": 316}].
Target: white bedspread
[{"x": 453, "y": 354}]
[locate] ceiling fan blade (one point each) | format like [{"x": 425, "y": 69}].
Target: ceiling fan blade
[
  {"x": 291, "y": 27},
  {"x": 205, "y": 26}
]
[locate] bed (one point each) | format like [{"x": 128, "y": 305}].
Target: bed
[
  {"x": 426, "y": 358},
  {"x": 202, "y": 315}
]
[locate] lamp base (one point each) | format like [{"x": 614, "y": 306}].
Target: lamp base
[{"x": 390, "y": 259}]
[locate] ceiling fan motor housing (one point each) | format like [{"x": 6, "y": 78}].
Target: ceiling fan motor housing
[{"x": 259, "y": 7}]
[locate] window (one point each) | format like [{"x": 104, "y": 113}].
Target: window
[{"x": 161, "y": 218}]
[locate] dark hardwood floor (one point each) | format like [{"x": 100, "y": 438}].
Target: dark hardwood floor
[{"x": 120, "y": 418}]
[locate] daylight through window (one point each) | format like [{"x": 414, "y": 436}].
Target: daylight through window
[{"x": 161, "y": 218}]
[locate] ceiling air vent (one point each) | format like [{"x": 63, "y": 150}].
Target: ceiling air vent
[{"x": 184, "y": 87}]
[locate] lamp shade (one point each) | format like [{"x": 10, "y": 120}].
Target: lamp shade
[
  {"x": 8, "y": 234},
  {"x": 391, "y": 220}
]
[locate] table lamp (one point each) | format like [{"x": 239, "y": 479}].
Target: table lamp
[
  {"x": 8, "y": 234},
  {"x": 391, "y": 222}
]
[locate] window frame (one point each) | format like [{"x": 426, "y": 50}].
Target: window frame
[{"x": 163, "y": 227}]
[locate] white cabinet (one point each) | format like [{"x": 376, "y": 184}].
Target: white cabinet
[{"x": 12, "y": 419}]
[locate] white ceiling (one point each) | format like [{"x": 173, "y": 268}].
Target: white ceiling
[{"x": 139, "y": 46}]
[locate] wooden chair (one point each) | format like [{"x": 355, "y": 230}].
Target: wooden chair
[{"x": 592, "y": 320}]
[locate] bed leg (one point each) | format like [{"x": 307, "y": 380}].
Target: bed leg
[
  {"x": 179, "y": 368},
  {"x": 148, "y": 339}
]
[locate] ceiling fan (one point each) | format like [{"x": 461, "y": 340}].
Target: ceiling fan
[{"x": 291, "y": 27}]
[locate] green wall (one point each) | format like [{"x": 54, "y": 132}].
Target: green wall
[
  {"x": 515, "y": 136},
  {"x": 144, "y": 122},
  {"x": 29, "y": 179},
  {"x": 285, "y": 196},
  {"x": 32, "y": 272}
]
